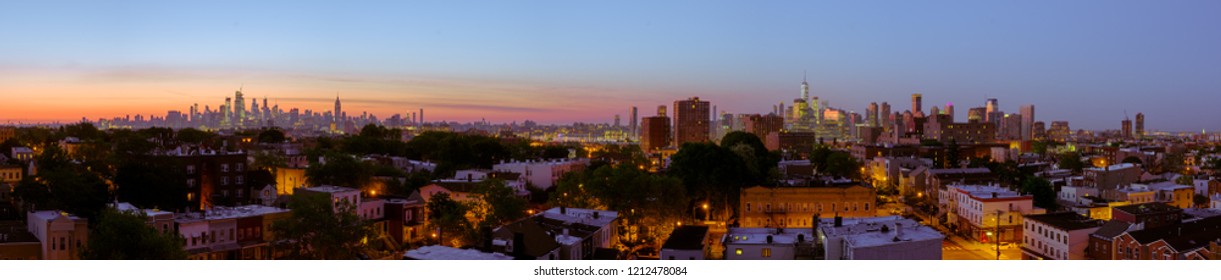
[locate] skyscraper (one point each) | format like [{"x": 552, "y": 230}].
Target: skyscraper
[
  {"x": 976, "y": 114},
  {"x": 240, "y": 110},
  {"x": 616, "y": 121},
  {"x": 1059, "y": 131},
  {"x": 691, "y": 120},
  {"x": 992, "y": 113},
  {"x": 1126, "y": 128},
  {"x": 917, "y": 102},
  {"x": 633, "y": 122},
  {"x": 226, "y": 113},
  {"x": 655, "y": 131},
  {"x": 1140, "y": 125},
  {"x": 871, "y": 114},
  {"x": 1027, "y": 112},
  {"x": 805, "y": 89},
  {"x": 884, "y": 117}
]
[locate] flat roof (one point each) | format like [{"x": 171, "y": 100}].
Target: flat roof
[
  {"x": 220, "y": 213},
  {"x": 757, "y": 236},
  {"x": 1145, "y": 208},
  {"x": 986, "y": 192},
  {"x": 330, "y": 189},
  {"x": 878, "y": 231},
  {"x": 581, "y": 216},
  {"x": 1068, "y": 221},
  {"x": 1112, "y": 167},
  {"x": 437, "y": 252}
]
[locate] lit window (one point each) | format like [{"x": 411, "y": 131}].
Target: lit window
[
  {"x": 766, "y": 253},
  {"x": 738, "y": 251}
]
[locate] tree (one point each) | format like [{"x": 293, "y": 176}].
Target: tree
[
  {"x": 152, "y": 183},
  {"x": 1200, "y": 200},
  {"x": 63, "y": 185},
  {"x": 711, "y": 173},
  {"x": 1044, "y": 194},
  {"x": 500, "y": 204},
  {"x": 1072, "y": 161},
  {"x": 1184, "y": 180},
  {"x": 651, "y": 203},
  {"x": 1039, "y": 147},
  {"x": 555, "y": 152},
  {"x": 448, "y": 216},
  {"x": 271, "y": 136},
  {"x": 340, "y": 170},
  {"x": 127, "y": 236},
  {"x": 754, "y": 154},
  {"x": 320, "y": 230}
]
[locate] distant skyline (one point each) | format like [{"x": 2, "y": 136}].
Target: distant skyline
[{"x": 562, "y": 61}]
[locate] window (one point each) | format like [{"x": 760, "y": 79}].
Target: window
[
  {"x": 766, "y": 253},
  {"x": 241, "y": 167},
  {"x": 190, "y": 183},
  {"x": 748, "y": 207},
  {"x": 767, "y": 208},
  {"x": 190, "y": 169},
  {"x": 224, "y": 167},
  {"x": 737, "y": 251},
  {"x": 239, "y": 180},
  {"x": 224, "y": 180},
  {"x": 866, "y": 206}
]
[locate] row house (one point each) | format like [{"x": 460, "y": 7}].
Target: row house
[
  {"x": 1057, "y": 236},
  {"x": 1185, "y": 241},
  {"x": 987, "y": 213}
]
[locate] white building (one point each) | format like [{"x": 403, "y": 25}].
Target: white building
[
  {"x": 1057, "y": 236},
  {"x": 1073, "y": 193},
  {"x": 443, "y": 253},
  {"x": 339, "y": 196},
  {"x": 542, "y": 174},
  {"x": 769, "y": 243},
  {"x": 63, "y": 236},
  {"x": 1214, "y": 201},
  {"x": 162, "y": 221},
  {"x": 977, "y": 212},
  {"x": 878, "y": 238}
]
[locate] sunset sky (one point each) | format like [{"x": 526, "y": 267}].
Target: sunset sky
[{"x": 563, "y": 61}]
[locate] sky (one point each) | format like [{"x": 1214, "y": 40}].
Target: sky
[{"x": 1086, "y": 62}]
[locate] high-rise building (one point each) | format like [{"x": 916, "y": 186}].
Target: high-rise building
[
  {"x": 655, "y": 131},
  {"x": 1140, "y": 125},
  {"x": 917, "y": 103},
  {"x": 977, "y": 114},
  {"x": 691, "y": 120},
  {"x": 1011, "y": 127},
  {"x": 1126, "y": 128},
  {"x": 949, "y": 110},
  {"x": 871, "y": 114},
  {"x": 633, "y": 122},
  {"x": 227, "y": 114},
  {"x": 239, "y": 110},
  {"x": 762, "y": 125},
  {"x": 993, "y": 113},
  {"x": 1040, "y": 131},
  {"x": 1059, "y": 131},
  {"x": 885, "y": 118},
  {"x": 933, "y": 112},
  {"x": 805, "y": 89},
  {"x": 1027, "y": 122}
]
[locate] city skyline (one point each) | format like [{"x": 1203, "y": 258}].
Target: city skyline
[{"x": 541, "y": 61}]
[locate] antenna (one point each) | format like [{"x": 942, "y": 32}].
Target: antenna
[{"x": 1125, "y": 114}]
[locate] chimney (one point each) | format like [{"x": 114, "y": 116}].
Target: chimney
[
  {"x": 596, "y": 216},
  {"x": 469, "y": 178},
  {"x": 993, "y": 194},
  {"x": 563, "y": 210},
  {"x": 839, "y": 221},
  {"x": 769, "y": 239},
  {"x": 565, "y": 231},
  {"x": 898, "y": 230},
  {"x": 487, "y": 238}
]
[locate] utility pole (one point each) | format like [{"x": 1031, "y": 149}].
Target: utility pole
[{"x": 998, "y": 234}]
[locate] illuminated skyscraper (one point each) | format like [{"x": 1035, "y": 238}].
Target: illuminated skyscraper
[
  {"x": 949, "y": 110},
  {"x": 805, "y": 89},
  {"x": 227, "y": 113},
  {"x": 1027, "y": 112},
  {"x": 1059, "y": 131},
  {"x": 993, "y": 111},
  {"x": 871, "y": 114},
  {"x": 240, "y": 110},
  {"x": 917, "y": 102},
  {"x": 977, "y": 114},
  {"x": 691, "y": 120}
]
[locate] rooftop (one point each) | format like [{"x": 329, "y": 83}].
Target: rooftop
[
  {"x": 221, "y": 213},
  {"x": 1112, "y": 228},
  {"x": 591, "y": 217},
  {"x": 878, "y": 231},
  {"x": 977, "y": 170},
  {"x": 1068, "y": 221},
  {"x": 687, "y": 238},
  {"x": 1148, "y": 208},
  {"x": 758, "y": 236},
  {"x": 437, "y": 252},
  {"x": 1182, "y": 237},
  {"x": 330, "y": 189},
  {"x": 1112, "y": 167},
  {"x": 978, "y": 191},
  {"x": 15, "y": 232},
  {"x": 127, "y": 207}
]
